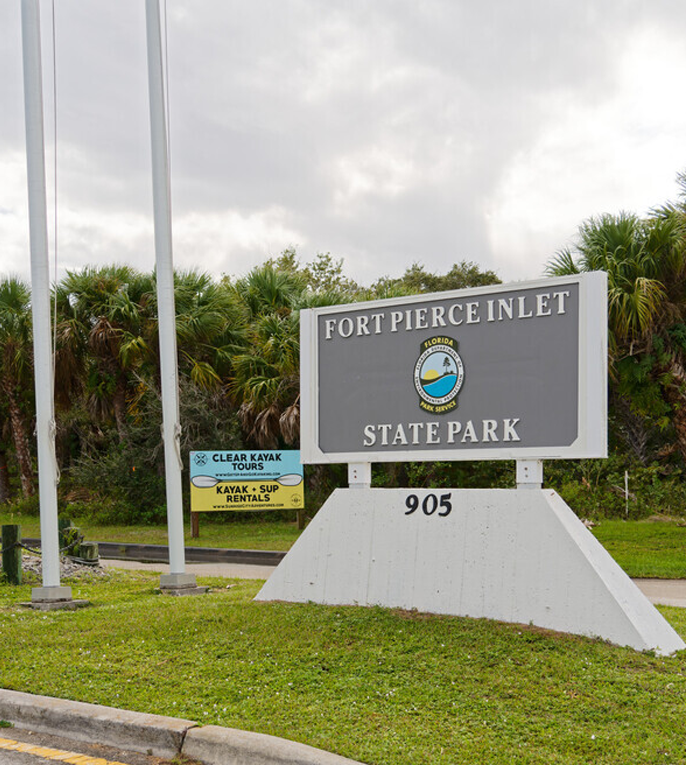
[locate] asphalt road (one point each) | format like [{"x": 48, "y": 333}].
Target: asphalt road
[
  {"x": 228, "y": 570},
  {"x": 50, "y": 749}
]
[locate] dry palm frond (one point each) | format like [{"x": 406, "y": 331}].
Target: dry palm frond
[
  {"x": 266, "y": 427},
  {"x": 104, "y": 339},
  {"x": 246, "y": 414},
  {"x": 99, "y": 407},
  {"x": 289, "y": 422}
]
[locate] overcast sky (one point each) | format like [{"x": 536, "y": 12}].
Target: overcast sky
[{"x": 386, "y": 132}]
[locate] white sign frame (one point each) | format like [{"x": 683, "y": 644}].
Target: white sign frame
[{"x": 591, "y": 441}]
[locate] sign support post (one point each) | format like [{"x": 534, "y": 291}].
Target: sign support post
[
  {"x": 360, "y": 475},
  {"x": 529, "y": 474}
]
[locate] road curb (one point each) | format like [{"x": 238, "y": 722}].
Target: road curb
[
  {"x": 160, "y": 553},
  {"x": 227, "y": 746},
  {"x": 92, "y": 723},
  {"x": 156, "y": 734}
]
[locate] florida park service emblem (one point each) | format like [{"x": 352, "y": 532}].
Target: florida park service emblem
[{"x": 438, "y": 375}]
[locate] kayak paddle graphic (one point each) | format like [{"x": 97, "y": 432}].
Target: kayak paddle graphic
[{"x": 208, "y": 481}]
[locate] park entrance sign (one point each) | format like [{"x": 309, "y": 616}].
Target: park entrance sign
[
  {"x": 517, "y": 371},
  {"x": 513, "y": 371}
]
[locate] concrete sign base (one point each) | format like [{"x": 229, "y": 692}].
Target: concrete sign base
[{"x": 513, "y": 555}]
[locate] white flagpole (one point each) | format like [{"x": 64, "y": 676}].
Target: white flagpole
[
  {"x": 177, "y": 579},
  {"x": 40, "y": 307}
]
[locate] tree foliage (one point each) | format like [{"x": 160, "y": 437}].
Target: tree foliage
[
  {"x": 645, "y": 262},
  {"x": 238, "y": 354},
  {"x": 16, "y": 367},
  {"x": 417, "y": 279}
]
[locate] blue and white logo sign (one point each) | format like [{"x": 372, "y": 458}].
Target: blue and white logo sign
[{"x": 438, "y": 375}]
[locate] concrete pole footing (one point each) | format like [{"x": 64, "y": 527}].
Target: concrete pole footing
[{"x": 180, "y": 584}]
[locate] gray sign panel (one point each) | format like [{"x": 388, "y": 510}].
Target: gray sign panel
[{"x": 463, "y": 375}]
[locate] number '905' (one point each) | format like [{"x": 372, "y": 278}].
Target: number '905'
[{"x": 430, "y": 504}]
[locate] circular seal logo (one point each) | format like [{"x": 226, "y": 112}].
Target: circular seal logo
[
  {"x": 438, "y": 375},
  {"x": 200, "y": 459}
]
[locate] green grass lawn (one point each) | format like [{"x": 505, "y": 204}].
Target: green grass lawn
[
  {"x": 245, "y": 535},
  {"x": 646, "y": 548},
  {"x": 642, "y": 548},
  {"x": 382, "y": 686}
]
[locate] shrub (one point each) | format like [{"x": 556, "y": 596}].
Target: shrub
[
  {"x": 25, "y": 506},
  {"x": 108, "y": 511},
  {"x": 596, "y": 488},
  {"x": 122, "y": 481}
]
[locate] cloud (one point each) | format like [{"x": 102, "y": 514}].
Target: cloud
[
  {"x": 621, "y": 153},
  {"x": 226, "y": 241},
  {"x": 385, "y": 133},
  {"x": 14, "y": 232}
]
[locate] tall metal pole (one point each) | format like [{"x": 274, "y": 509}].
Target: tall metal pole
[
  {"x": 40, "y": 307},
  {"x": 177, "y": 578}
]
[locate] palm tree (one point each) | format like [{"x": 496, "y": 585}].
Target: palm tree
[
  {"x": 210, "y": 324},
  {"x": 266, "y": 380},
  {"x": 265, "y": 383},
  {"x": 645, "y": 262},
  {"x": 209, "y": 331},
  {"x": 16, "y": 353},
  {"x": 268, "y": 289},
  {"x": 102, "y": 335}
]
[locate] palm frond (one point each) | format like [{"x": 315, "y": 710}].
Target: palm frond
[
  {"x": 562, "y": 264},
  {"x": 289, "y": 422}
]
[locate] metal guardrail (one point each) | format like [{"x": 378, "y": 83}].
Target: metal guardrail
[{"x": 157, "y": 553}]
